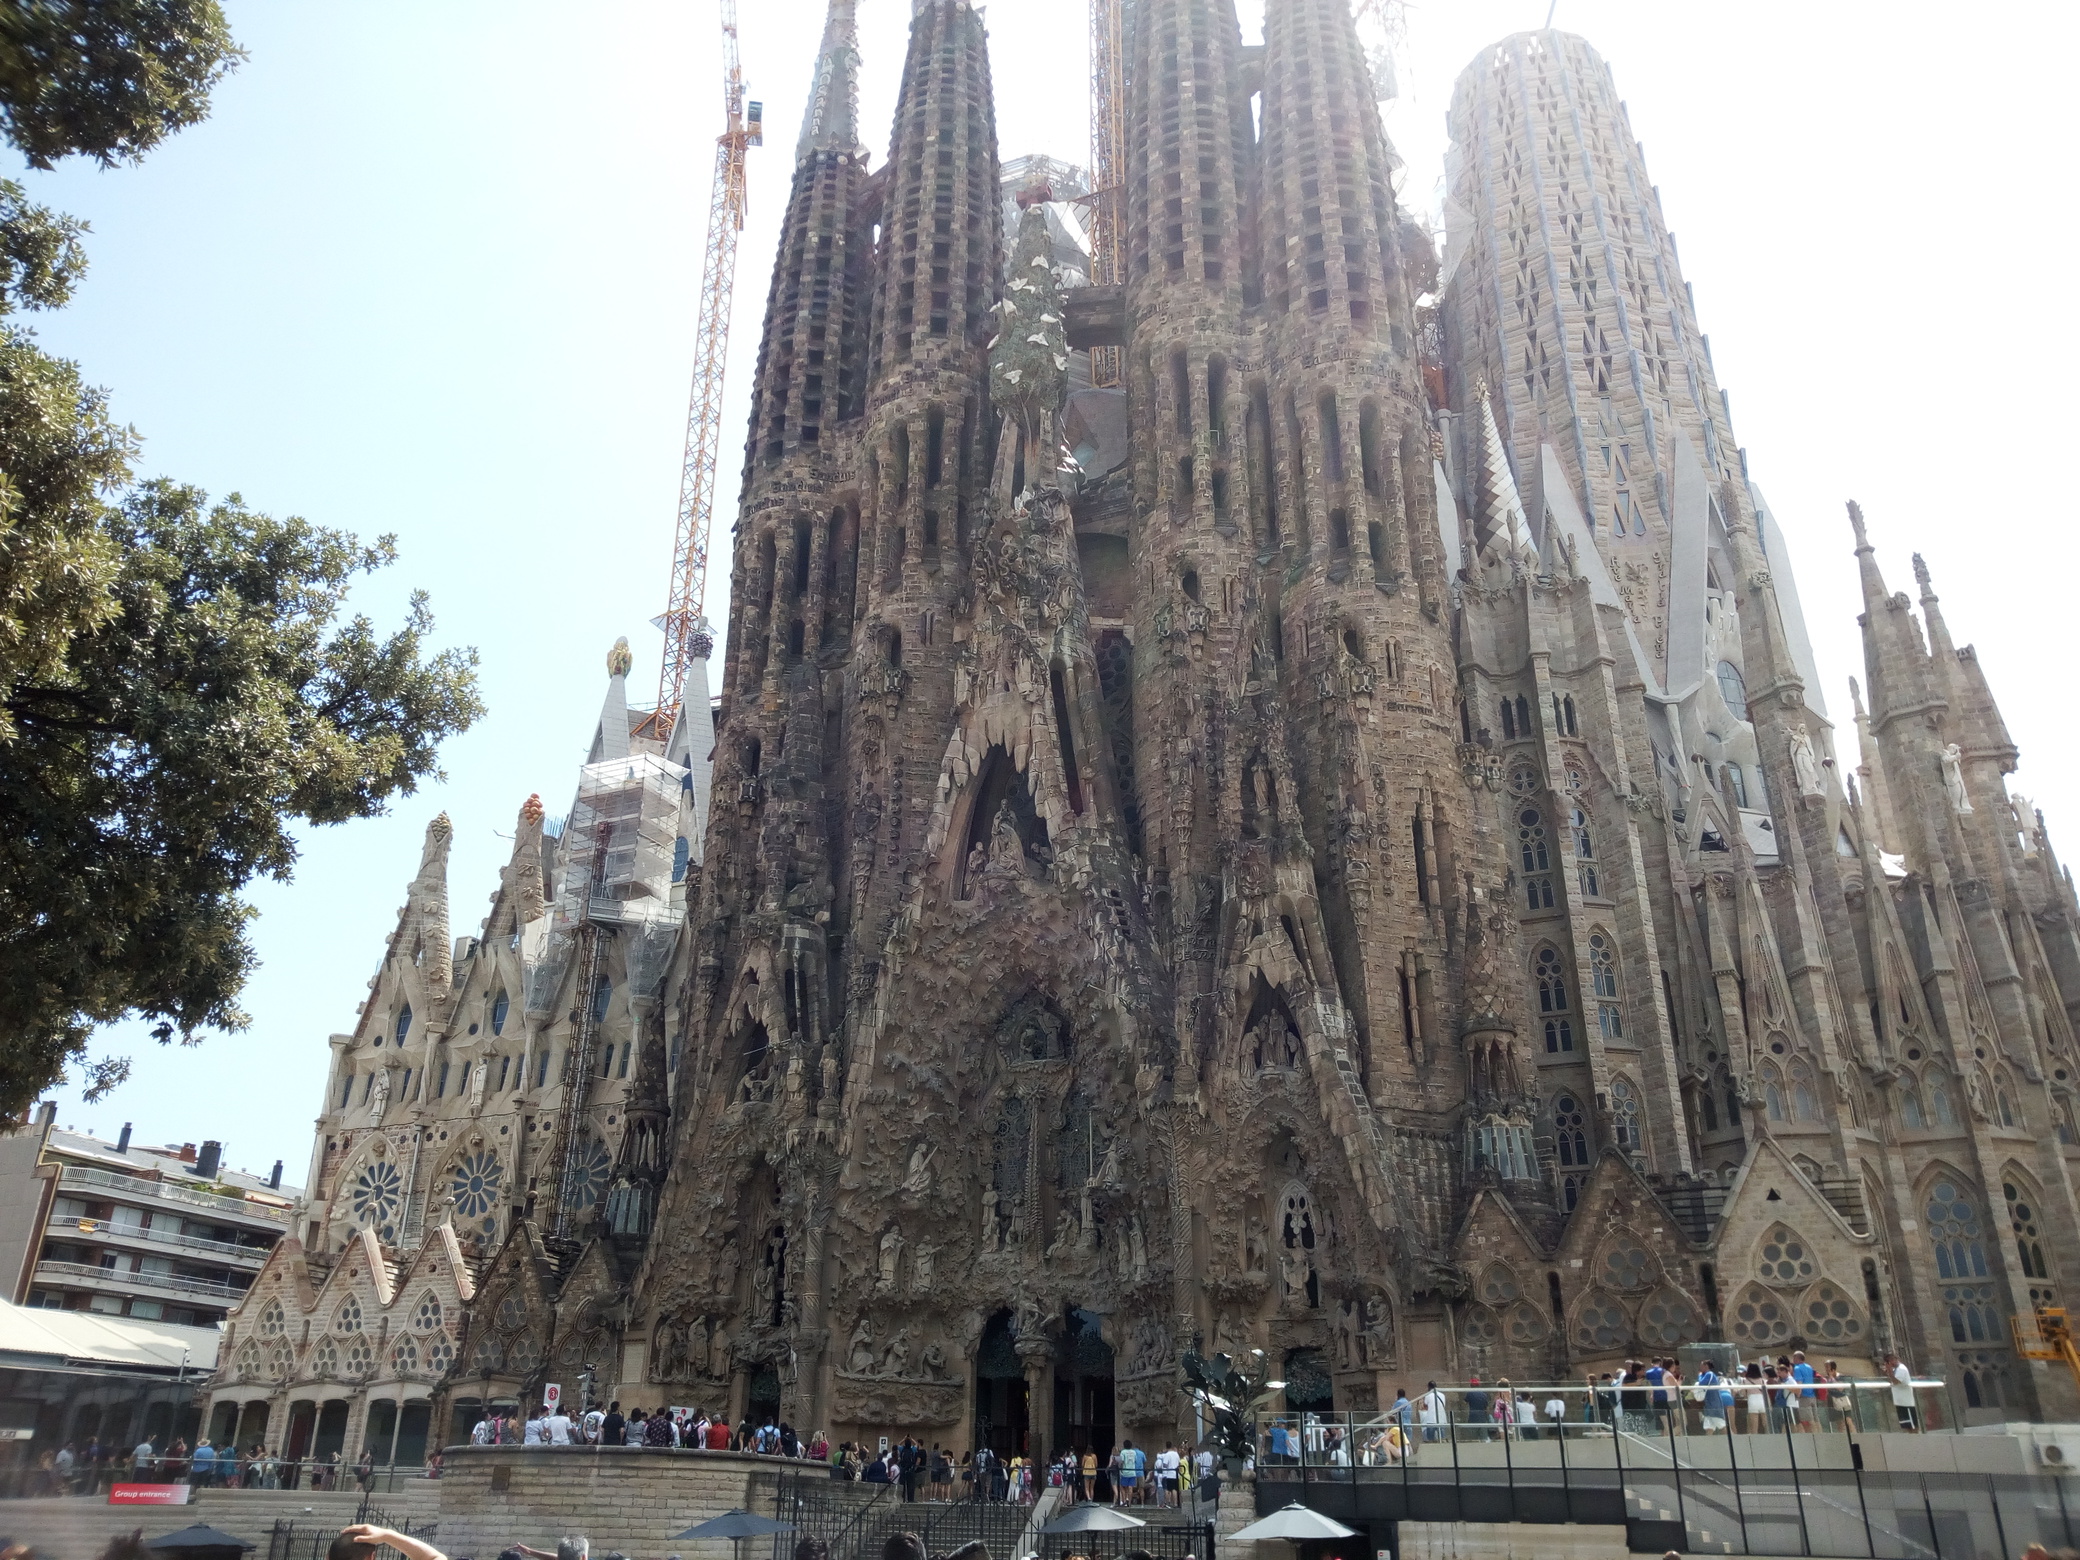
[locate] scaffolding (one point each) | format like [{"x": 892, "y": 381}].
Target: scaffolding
[{"x": 619, "y": 840}]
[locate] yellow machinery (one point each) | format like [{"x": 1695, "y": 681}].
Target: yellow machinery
[{"x": 2047, "y": 1335}]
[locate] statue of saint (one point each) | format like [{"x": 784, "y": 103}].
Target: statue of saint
[
  {"x": 919, "y": 1177},
  {"x": 859, "y": 1352},
  {"x": 992, "y": 1220},
  {"x": 1953, "y": 779},
  {"x": 891, "y": 1256},
  {"x": 379, "y": 1096},
  {"x": 1804, "y": 767}
]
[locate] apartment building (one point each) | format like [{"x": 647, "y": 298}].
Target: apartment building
[{"x": 159, "y": 1233}]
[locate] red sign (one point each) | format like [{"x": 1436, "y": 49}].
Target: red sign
[{"x": 149, "y": 1494}]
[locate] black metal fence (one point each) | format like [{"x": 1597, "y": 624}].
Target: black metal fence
[
  {"x": 855, "y": 1519},
  {"x": 1787, "y": 1493},
  {"x": 288, "y": 1540}
]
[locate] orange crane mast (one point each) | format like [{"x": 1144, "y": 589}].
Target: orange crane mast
[{"x": 687, "y": 634}]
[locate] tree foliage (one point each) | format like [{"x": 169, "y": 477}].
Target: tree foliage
[
  {"x": 107, "y": 79},
  {"x": 161, "y": 769},
  {"x": 178, "y": 687}
]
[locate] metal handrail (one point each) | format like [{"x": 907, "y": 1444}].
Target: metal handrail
[
  {"x": 143, "y": 1186},
  {"x": 108, "y": 1229},
  {"x": 171, "y": 1282}
]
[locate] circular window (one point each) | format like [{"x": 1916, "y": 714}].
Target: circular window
[
  {"x": 1830, "y": 1316},
  {"x": 1601, "y": 1324},
  {"x": 475, "y": 1183},
  {"x": 1785, "y": 1259}
]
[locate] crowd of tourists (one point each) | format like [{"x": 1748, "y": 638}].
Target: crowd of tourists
[
  {"x": 90, "y": 1468},
  {"x": 1643, "y": 1397}
]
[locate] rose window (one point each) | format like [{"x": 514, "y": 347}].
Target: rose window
[
  {"x": 272, "y": 1321},
  {"x": 512, "y": 1312},
  {"x": 1785, "y": 1259},
  {"x": 375, "y": 1197},
  {"x": 325, "y": 1359},
  {"x": 428, "y": 1317},
  {"x": 1481, "y": 1330},
  {"x": 475, "y": 1186},
  {"x": 440, "y": 1354},
  {"x": 487, "y": 1356},
  {"x": 589, "y": 1172},
  {"x": 1625, "y": 1265},
  {"x": 1601, "y": 1324},
  {"x": 348, "y": 1318},
  {"x": 1667, "y": 1321},
  {"x": 1498, "y": 1285},
  {"x": 404, "y": 1359},
  {"x": 1830, "y": 1315},
  {"x": 1526, "y": 1324},
  {"x": 1760, "y": 1318}
]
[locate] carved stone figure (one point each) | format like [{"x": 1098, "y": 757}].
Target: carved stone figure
[
  {"x": 1256, "y": 1245},
  {"x": 379, "y": 1096},
  {"x": 891, "y": 1256},
  {"x": 1804, "y": 767},
  {"x": 859, "y": 1351},
  {"x": 1953, "y": 779},
  {"x": 933, "y": 1360},
  {"x": 992, "y": 1223},
  {"x": 918, "y": 1180},
  {"x": 921, "y": 1260}
]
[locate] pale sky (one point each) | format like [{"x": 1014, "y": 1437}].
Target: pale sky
[{"x": 431, "y": 269}]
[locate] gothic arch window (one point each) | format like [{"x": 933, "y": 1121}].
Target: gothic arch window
[
  {"x": 1830, "y": 1316},
  {"x": 1535, "y": 857},
  {"x": 1942, "y": 1102},
  {"x": 1733, "y": 690},
  {"x": 1805, "y": 1099},
  {"x": 2062, "y": 1122},
  {"x": 1551, "y": 977},
  {"x": 2003, "y": 1097},
  {"x": 1625, "y": 1116},
  {"x": 1570, "y": 1137},
  {"x": 404, "y": 1022},
  {"x": 1773, "y": 1092},
  {"x": 1567, "y": 714},
  {"x": 1954, "y": 1230},
  {"x": 1299, "y": 1235},
  {"x": 500, "y": 1006},
  {"x": 1625, "y": 1263},
  {"x": 1509, "y": 719},
  {"x": 1524, "y": 728},
  {"x": 427, "y": 1317},
  {"x": 2022, "y": 1218},
  {"x": 1912, "y": 1113},
  {"x": 347, "y": 1318},
  {"x": 1603, "y": 975},
  {"x": 272, "y": 1320},
  {"x": 1585, "y": 856}
]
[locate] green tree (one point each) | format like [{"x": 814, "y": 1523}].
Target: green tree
[{"x": 178, "y": 687}]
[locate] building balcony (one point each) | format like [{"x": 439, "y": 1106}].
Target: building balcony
[
  {"x": 107, "y": 1233},
  {"x": 103, "y": 1280},
  {"x": 150, "y": 1193}
]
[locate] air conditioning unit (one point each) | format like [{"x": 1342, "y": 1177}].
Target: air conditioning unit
[{"x": 2059, "y": 1456}]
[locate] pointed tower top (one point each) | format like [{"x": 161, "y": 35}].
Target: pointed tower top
[
  {"x": 1856, "y": 697},
  {"x": 610, "y": 737},
  {"x": 1921, "y": 575},
  {"x": 620, "y": 658},
  {"x": 831, "y": 121},
  {"x": 1499, "y": 526},
  {"x": 1863, "y": 543}
]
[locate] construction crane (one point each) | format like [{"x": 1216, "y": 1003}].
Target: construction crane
[{"x": 687, "y": 634}]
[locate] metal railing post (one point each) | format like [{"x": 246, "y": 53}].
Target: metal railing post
[
  {"x": 1675, "y": 1471},
  {"x": 1733, "y": 1464},
  {"x": 2000, "y": 1528},
  {"x": 1935, "y": 1539},
  {"x": 1566, "y": 1482},
  {"x": 1862, "y": 1499},
  {"x": 1798, "y": 1499}
]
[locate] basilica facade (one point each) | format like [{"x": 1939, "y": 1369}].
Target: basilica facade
[{"x": 1281, "y": 801}]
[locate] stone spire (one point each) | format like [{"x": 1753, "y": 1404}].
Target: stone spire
[
  {"x": 526, "y": 878},
  {"x": 1499, "y": 526},
  {"x": 831, "y": 121},
  {"x": 429, "y": 899},
  {"x": 610, "y": 740}
]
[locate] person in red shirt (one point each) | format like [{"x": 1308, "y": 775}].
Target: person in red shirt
[{"x": 718, "y": 1435}]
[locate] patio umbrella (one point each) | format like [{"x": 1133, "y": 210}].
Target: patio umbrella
[
  {"x": 737, "y": 1523},
  {"x": 202, "y": 1542},
  {"x": 1295, "y": 1522},
  {"x": 1092, "y": 1517}
]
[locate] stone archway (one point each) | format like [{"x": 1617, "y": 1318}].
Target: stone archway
[
  {"x": 1003, "y": 1412},
  {"x": 1083, "y": 1371}
]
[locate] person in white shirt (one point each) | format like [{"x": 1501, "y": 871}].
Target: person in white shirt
[
  {"x": 531, "y": 1435},
  {"x": 1167, "y": 1464},
  {"x": 593, "y": 1420},
  {"x": 1902, "y": 1391},
  {"x": 1432, "y": 1411},
  {"x": 558, "y": 1428},
  {"x": 483, "y": 1431}
]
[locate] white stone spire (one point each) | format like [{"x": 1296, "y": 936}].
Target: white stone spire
[{"x": 831, "y": 121}]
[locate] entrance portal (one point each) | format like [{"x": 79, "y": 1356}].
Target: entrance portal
[
  {"x": 763, "y": 1401},
  {"x": 1002, "y": 1421},
  {"x": 1083, "y": 1388}
]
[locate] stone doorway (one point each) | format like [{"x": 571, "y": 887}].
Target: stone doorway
[
  {"x": 1083, "y": 1387},
  {"x": 763, "y": 1401},
  {"x": 1002, "y": 1412}
]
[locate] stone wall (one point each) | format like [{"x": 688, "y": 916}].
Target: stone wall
[{"x": 628, "y": 1498}]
